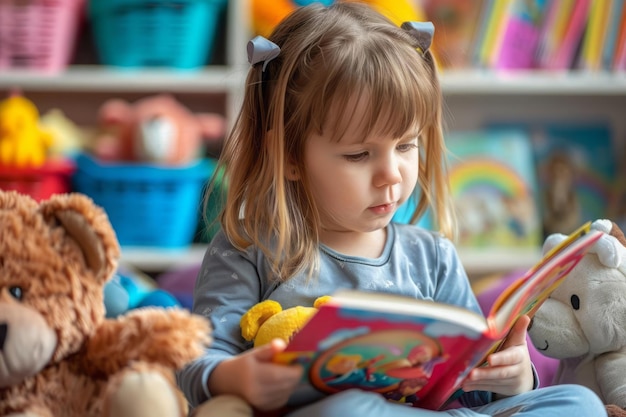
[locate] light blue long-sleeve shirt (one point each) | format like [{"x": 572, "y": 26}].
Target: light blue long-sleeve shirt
[{"x": 415, "y": 262}]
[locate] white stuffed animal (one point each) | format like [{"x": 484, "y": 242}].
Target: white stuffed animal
[{"x": 583, "y": 323}]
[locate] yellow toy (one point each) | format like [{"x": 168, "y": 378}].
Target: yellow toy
[
  {"x": 22, "y": 141},
  {"x": 68, "y": 139},
  {"x": 267, "y": 320},
  {"x": 267, "y": 13}
]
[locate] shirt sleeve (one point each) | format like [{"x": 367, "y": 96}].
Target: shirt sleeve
[
  {"x": 452, "y": 284},
  {"x": 228, "y": 284}
]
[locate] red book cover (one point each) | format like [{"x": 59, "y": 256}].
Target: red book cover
[{"x": 415, "y": 351}]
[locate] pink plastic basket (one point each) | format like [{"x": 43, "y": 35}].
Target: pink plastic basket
[{"x": 38, "y": 34}]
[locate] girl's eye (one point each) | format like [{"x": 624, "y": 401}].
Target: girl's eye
[
  {"x": 356, "y": 157},
  {"x": 406, "y": 147}
]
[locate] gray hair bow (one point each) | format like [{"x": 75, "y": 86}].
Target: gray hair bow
[
  {"x": 262, "y": 50},
  {"x": 423, "y": 33}
]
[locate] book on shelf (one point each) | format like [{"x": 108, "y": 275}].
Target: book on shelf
[
  {"x": 553, "y": 30},
  {"x": 616, "y": 21},
  {"x": 456, "y": 22},
  {"x": 575, "y": 168},
  {"x": 595, "y": 35},
  {"x": 565, "y": 54},
  {"x": 522, "y": 27},
  {"x": 490, "y": 36},
  {"x": 619, "y": 59},
  {"x": 417, "y": 352},
  {"x": 493, "y": 183},
  {"x": 544, "y": 34}
]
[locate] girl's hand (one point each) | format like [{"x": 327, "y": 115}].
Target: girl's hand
[
  {"x": 254, "y": 377},
  {"x": 508, "y": 371}
]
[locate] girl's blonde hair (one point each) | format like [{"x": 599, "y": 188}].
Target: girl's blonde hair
[{"x": 328, "y": 56}]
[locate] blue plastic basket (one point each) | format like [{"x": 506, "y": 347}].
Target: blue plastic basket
[
  {"x": 155, "y": 33},
  {"x": 147, "y": 205}
]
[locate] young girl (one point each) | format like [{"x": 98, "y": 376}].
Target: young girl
[{"x": 341, "y": 125}]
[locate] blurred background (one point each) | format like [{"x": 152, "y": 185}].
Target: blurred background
[{"x": 129, "y": 101}]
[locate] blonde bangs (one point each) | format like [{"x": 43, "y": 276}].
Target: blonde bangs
[{"x": 400, "y": 96}]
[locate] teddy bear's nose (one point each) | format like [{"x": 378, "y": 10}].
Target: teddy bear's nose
[{"x": 3, "y": 334}]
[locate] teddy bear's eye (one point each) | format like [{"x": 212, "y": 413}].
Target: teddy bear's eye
[
  {"x": 575, "y": 301},
  {"x": 16, "y": 292}
]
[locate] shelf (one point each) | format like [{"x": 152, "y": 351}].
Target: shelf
[
  {"x": 224, "y": 78},
  {"x": 489, "y": 261},
  {"x": 475, "y": 261},
  {"x": 104, "y": 79},
  {"x": 533, "y": 83},
  {"x": 157, "y": 259}
]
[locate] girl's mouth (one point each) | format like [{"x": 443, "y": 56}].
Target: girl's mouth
[{"x": 383, "y": 208}]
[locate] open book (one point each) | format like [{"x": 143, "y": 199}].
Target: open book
[{"x": 416, "y": 351}]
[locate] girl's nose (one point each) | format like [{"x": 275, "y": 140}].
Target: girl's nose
[{"x": 388, "y": 173}]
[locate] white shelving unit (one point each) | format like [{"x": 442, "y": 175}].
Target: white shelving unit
[
  {"x": 563, "y": 84},
  {"x": 471, "y": 98},
  {"x": 477, "y": 262},
  {"x": 80, "y": 78}
]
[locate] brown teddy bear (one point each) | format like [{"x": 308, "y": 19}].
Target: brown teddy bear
[{"x": 58, "y": 353}]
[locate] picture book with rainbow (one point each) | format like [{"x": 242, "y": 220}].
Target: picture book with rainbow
[
  {"x": 575, "y": 166},
  {"x": 493, "y": 183},
  {"x": 414, "y": 351}
]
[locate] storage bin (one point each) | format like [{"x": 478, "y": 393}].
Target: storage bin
[
  {"x": 39, "y": 182},
  {"x": 147, "y": 33},
  {"x": 148, "y": 205},
  {"x": 38, "y": 34}
]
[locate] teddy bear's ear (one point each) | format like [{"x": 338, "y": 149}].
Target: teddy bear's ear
[
  {"x": 89, "y": 227},
  {"x": 257, "y": 315},
  {"x": 609, "y": 249},
  {"x": 320, "y": 301},
  {"x": 551, "y": 241},
  {"x": 617, "y": 233}
]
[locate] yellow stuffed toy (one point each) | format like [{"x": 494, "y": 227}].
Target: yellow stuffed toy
[
  {"x": 267, "y": 320},
  {"x": 22, "y": 141}
]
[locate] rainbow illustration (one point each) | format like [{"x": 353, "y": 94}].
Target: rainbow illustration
[
  {"x": 487, "y": 174},
  {"x": 494, "y": 203}
]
